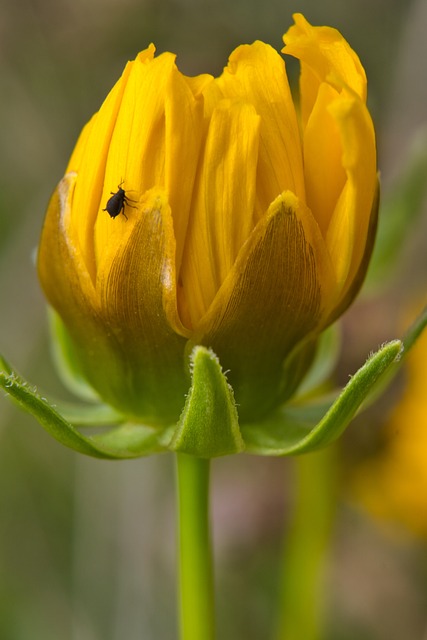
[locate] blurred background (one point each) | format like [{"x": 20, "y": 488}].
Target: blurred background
[{"x": 87, "y": 547}]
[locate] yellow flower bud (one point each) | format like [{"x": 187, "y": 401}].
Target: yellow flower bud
[{"x": 212, "y": 211}]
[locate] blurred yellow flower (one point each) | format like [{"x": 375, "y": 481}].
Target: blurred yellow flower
[
  {"x": 393, "y": 485},
  {"x": 247, "y": 226}
]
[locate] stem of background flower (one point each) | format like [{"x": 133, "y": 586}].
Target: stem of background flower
[
  {"x": 195, "y": 553},
  {"x": 306, "y": 546}
]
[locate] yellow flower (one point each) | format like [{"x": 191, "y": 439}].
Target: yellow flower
[{"x": 247, "y": 228}]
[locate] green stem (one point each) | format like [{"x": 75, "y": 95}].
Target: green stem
[
  {"x": 300, "y": 606},
  {"x": 195, "y": 554}
]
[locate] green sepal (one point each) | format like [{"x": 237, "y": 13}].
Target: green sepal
[
  {"x": 292, "y": 431},
  {"x": 209, "y": 424},
  {"x": 87, "y": 414},
  {"x": 66, "y": 363},
  {"x": 326, "y": 357},
  {"x": 131, "y": 440},
  {"x": 123, "y": 441}
]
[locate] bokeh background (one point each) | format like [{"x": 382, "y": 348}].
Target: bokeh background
[{"x": 87, "y": 547}]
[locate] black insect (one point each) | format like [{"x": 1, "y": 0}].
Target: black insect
[{"x": 116, "y": 204}]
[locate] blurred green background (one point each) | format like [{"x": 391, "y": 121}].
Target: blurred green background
[{"x": 87, "y": 547}]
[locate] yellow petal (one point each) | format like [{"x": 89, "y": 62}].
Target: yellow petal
[
  {"x": 275, "y": 296},
  {"x": 184, "y": 131},
  {"x": 139, "y": 131},
  {"x": 348, "y": 229},
  {"x": 89, "y": 161},
  {"x": 137, "y": 147},
  {"x": 223, "y": 204},
  {"x": 325, "y": 56},
  {"x": 256, "y": 74},
  {"x": 324, "y": 174},
  {"x": 198, "y": 84},
  {"x": 156, "y": 142},
  {"x": 79, "y": 150},
  {"x": 347, "y": 296}
]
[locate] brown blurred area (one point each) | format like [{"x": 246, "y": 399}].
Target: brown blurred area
[{"x": 87, "y": 547}]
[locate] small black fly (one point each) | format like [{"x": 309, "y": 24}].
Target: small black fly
[{"x": 116, "y": 204}]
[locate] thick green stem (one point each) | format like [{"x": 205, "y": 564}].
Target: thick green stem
[
  {"x": 306, "y": 545},
  {"x": 195, "y": 554}
]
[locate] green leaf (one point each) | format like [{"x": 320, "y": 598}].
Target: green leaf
[
  {"x": 125, "y": 441},
  {"x": 209, "y": 424},
  {"x": 290, "y": 431}
]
